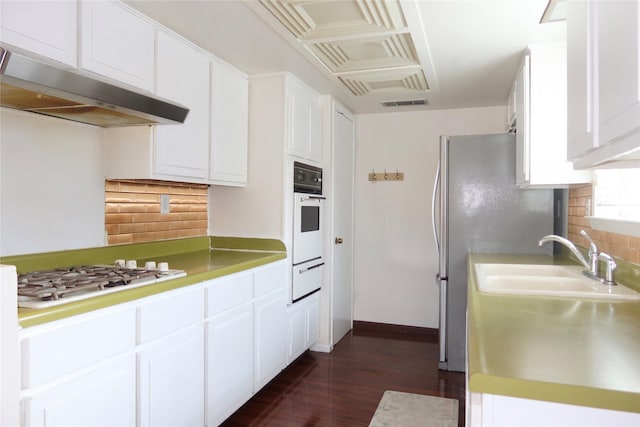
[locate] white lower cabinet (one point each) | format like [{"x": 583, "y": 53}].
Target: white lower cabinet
[
  {"x": 188, "y": 357},
  {"x": 230, "y": 362},
  {"x": 303, "y": 320},
  {"x": 71, "y": 367},
  {"x": 297, "y": 329},
  {"x": 171, "y": 380},
  {"x": 230, "y": 345},
  {"x": 270, "y": 337},
  {"x": 490, "y": 410},
  {"x": 105, "y": 396},
  {"x": 313, "y": 319}
]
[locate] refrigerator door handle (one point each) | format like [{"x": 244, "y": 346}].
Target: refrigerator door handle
[
  {"x": 444, "y": 189},
  {"x": 436, "y": 186}
]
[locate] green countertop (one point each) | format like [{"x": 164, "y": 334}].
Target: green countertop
[
  {"x": 202, "y": 258},
  {"x": 576, "y": 351}
]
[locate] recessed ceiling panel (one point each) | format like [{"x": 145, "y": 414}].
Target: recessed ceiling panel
[
  {"x": 366, "y": 54},
  {"x": 327, "y": 19},
  {"x": 409, "y": 80},
  {"x": 364, "y": 44}
]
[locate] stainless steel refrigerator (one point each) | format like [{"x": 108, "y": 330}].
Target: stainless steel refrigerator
[{"x": 477, "y": 208}]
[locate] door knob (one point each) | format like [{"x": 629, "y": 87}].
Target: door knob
[{"x": 338, "y": 240}]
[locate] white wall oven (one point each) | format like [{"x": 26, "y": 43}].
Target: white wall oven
[{"x": 307, "y": 230}]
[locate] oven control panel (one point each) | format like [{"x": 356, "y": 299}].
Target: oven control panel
[{"x": 307, "y": 179}]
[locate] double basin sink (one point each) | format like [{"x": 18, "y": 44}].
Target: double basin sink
[{"x": 546, "y": 280}]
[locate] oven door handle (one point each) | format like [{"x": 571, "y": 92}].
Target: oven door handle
[
  {"x": 302, "y": 199},
  {"x": 304, "y": 270}
]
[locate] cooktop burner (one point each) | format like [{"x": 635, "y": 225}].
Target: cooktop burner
[{"x": 46, "y": 288}]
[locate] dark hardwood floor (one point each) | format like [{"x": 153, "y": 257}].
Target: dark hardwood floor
[{"x": 343, "y": 388}]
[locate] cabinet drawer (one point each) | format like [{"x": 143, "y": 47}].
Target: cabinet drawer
[
  {"x": 173, "y": 311},
  {"x": 75, "y": 345},
  {"x": 105, "y": 396},
  {"x": 269, "y": 278},
  {"x": 224, "y": 294}
]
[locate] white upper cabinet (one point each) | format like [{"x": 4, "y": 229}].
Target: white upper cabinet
[
  {"x": 183, "y": 76},
  {"x": 210, "y": 147},
  {"x": 604, "y": 83},
  {"x": 48, "y": 28},
  {"x": 229, "y": 125},
  {"x": 304, "y": 116},
  {"x": 541, "y": 104},
  {"x": 117, "y": 43}
]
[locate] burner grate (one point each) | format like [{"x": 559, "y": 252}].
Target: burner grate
[{"x": 82, "y": 281}]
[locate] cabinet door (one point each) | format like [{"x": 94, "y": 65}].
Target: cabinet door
[
  {"x": 604, "y": 89},
  {"x": 229, "y": 125},
  {"x": 313, "y": 319},
  {"x": 541, "y": 137},
  {"x": 104, "y": 334},
  {"x": 522, "y": 122},
  {"x": 102, "y": 397},
  {"x": 298, "y": 110},
  {"x": 47, "y": 28},
  {"x": 270, "y": 337},
  {"x": 183, "y": 76},
  {"x": 315, "y": 129},
  {"x": 618, "y": 41},
  {"x": 581, "y": 95},
  {"x": 297, "y": 330},
  {"x": 117, "y": 43},
  {"x": 171, "y": 380},
  {"x": 230, "y": 354}
]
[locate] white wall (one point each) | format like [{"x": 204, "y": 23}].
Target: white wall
[
  {"x": 395, "y": 256},
  {"x": 51, "y": 184}
]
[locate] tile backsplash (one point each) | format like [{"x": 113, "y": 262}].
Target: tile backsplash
[
  {"x": 618, "y": 245},
  {"x": 133, "y": 211}
]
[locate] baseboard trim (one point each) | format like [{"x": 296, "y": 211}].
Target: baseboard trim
[{"x": 415, "y": 332}]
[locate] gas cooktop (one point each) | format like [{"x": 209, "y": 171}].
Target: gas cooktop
[{"x": 40, "y": 289}]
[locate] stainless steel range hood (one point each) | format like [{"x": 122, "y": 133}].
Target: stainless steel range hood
[{"x": 30, "y": 85}]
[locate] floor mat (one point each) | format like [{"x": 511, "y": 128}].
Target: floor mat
[{"x": 398, "y": 409}]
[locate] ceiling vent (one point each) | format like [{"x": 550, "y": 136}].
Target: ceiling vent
[{"x": 405, "y": 103}]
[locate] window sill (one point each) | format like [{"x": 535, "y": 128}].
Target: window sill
[{"x": 618, "y": 226}]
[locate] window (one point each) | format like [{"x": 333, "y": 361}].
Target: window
[{"x": 616, "y": 201}]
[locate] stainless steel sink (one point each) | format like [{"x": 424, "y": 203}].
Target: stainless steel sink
[{"x": 546, "y": 280}]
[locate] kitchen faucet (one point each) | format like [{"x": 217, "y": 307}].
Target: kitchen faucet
[{"x": 594, "y": 257}]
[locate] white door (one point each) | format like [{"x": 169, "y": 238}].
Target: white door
[{"x": 344, "y": 143}]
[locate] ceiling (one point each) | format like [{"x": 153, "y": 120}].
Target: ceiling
[{"x": 453, "y": 53}]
